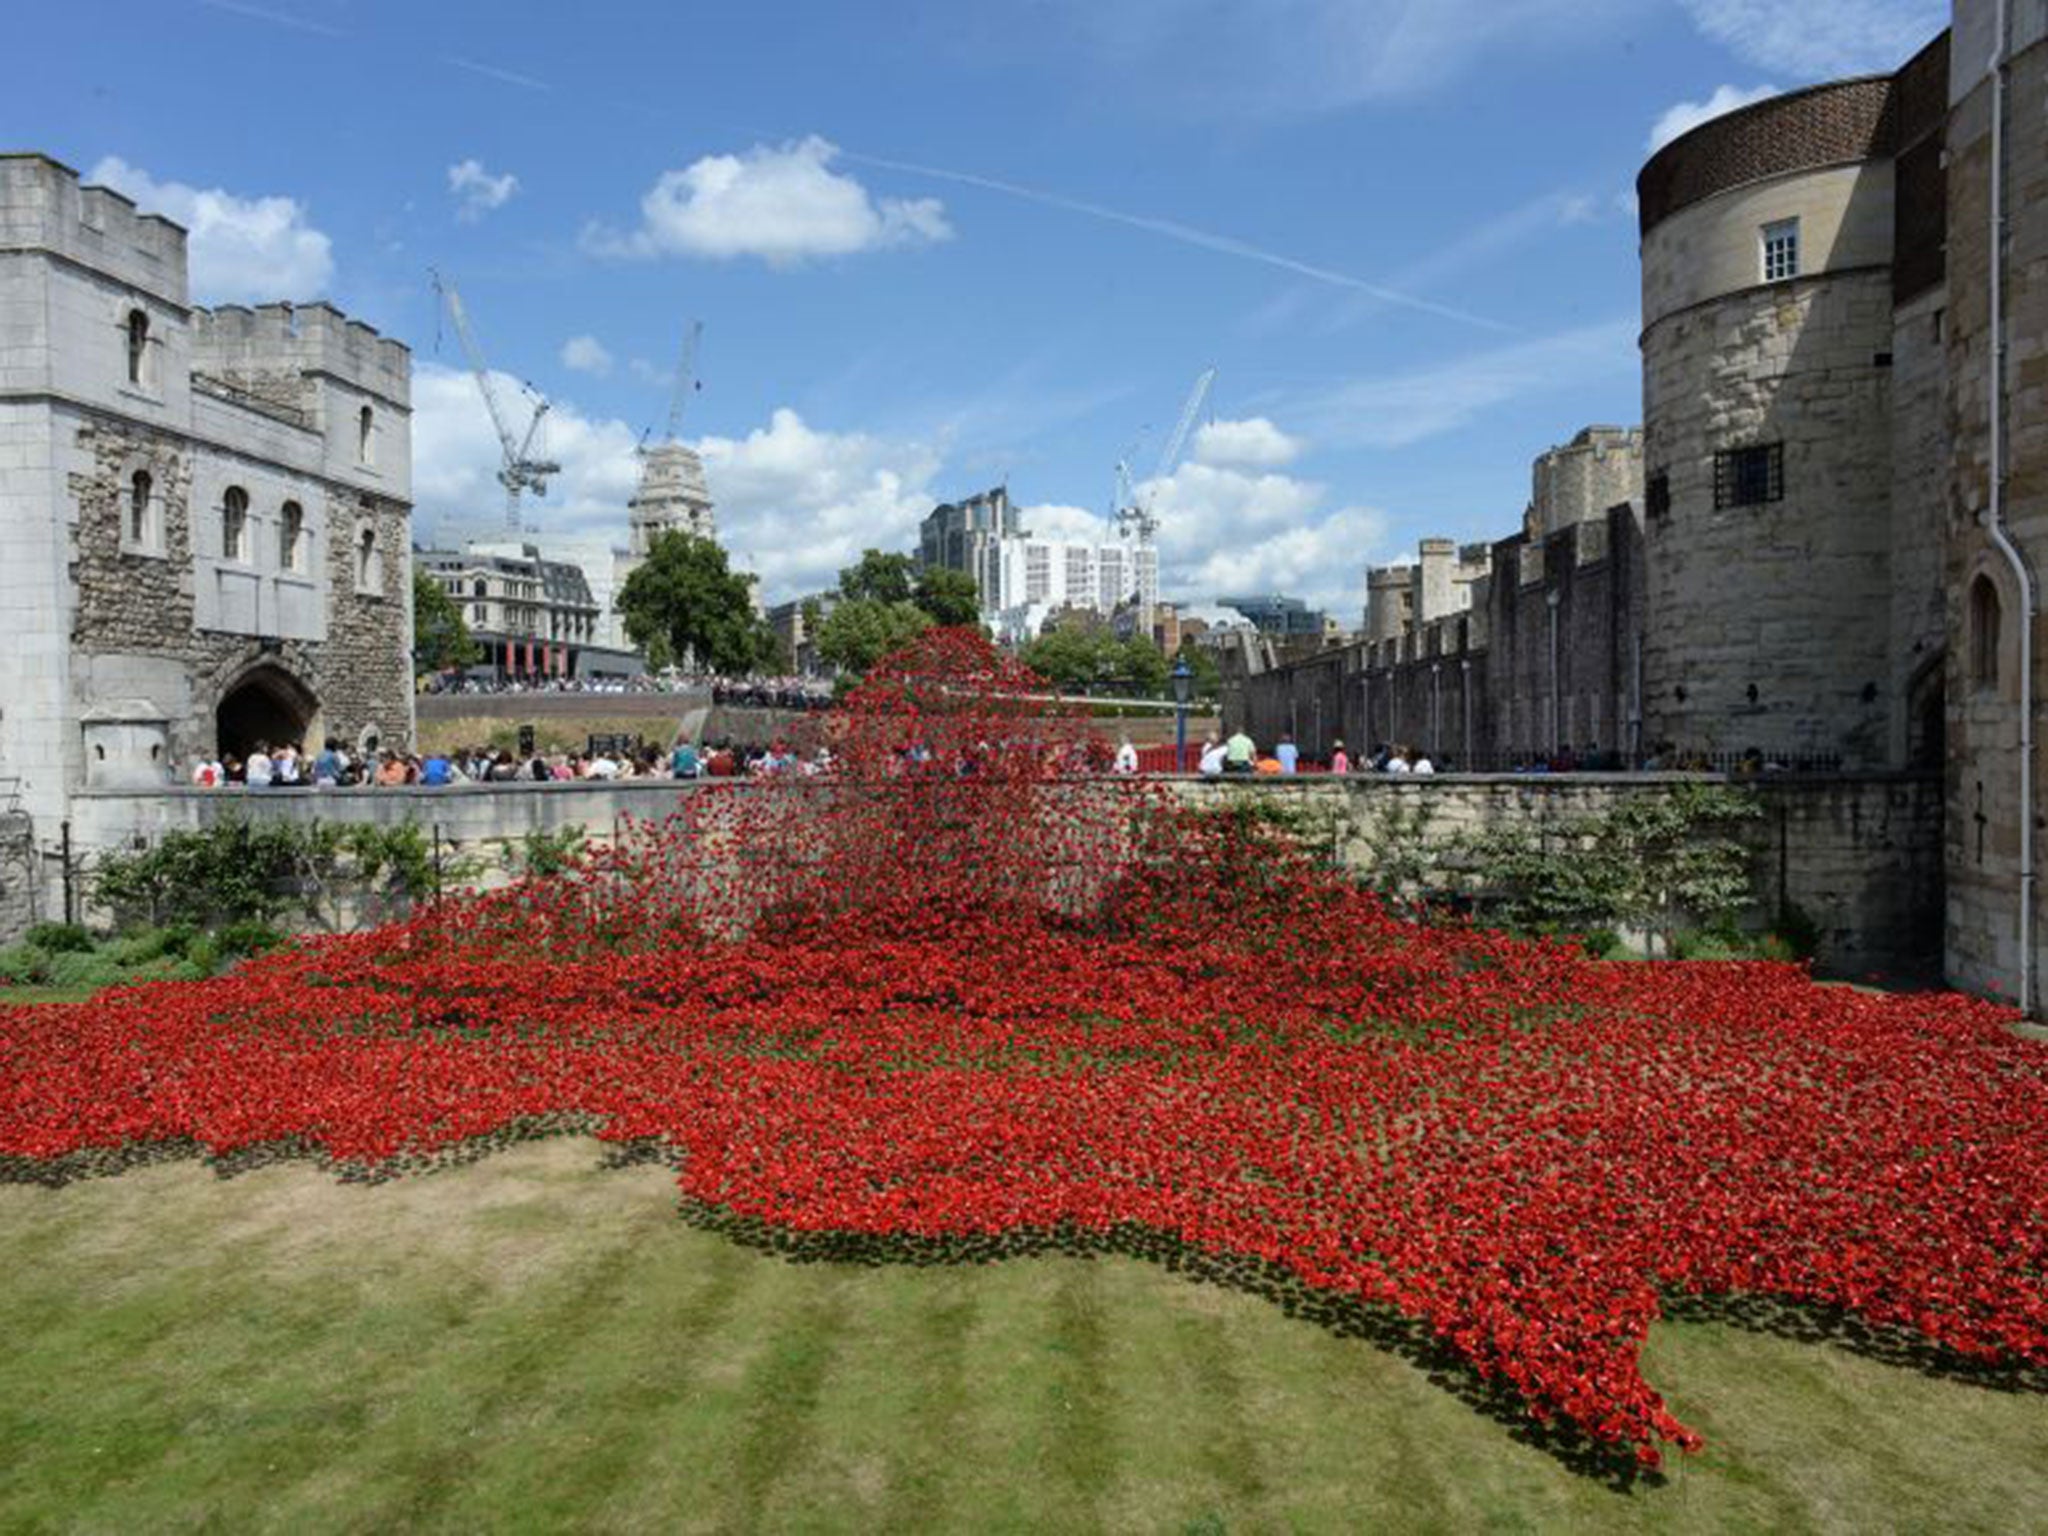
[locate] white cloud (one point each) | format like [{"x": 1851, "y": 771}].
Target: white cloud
[
  {"x": 240, "y": 249},
  {"x": 1685, "y": 116},
  {"x": 793, "y": 503},
  {"x": 1841, "y": 37},
  {"x": 784, "y": 204},
  {"x": 477, "y": 191},
  {"x": 1225, "y": 531},
  {"x": 797, "y": 504},
  {"x": 1254, "y": 441},
  {"x": 1399, "y": 409},
  {"x": 586, "y": 354}
]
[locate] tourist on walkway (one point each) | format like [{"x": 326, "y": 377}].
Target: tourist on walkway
[
  {"x": 1126, "y": 757},
  {"x": 1211, "y": 760},
  {"x": 259, "y": 769},
  {"x": 1288, "y": 755},
  {"x": 1340, "y": 760},
  {"x": 1239, "y": 752}
]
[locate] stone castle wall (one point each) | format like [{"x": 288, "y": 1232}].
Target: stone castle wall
[{"x": 1983, "y": 768}]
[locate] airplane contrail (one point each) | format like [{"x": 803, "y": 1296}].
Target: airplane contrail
[{"x": 1187, "y": 234}]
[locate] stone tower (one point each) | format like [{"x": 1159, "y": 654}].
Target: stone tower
[{"x": 672, "y": 497}]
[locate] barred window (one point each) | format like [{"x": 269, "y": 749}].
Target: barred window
[
  {"x": 1781, "y": 250},
  {"x": 1749, "y": 477}
]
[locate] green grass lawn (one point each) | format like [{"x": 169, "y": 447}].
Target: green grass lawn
[{"x": 533, "y": 1342}]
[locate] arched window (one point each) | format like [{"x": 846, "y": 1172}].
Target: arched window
[
  {"x": 291, "y": 538},
  {"x": 369, "y": 569},
  {"x": 139, "y": 486},
  {"x": 366, "y": 434},
  {"x": 478, "y": 587},
  {"x": 138, "y": 346},
  {"x": 1986, "y": 620},
  {"x": 234, "y": 525}
]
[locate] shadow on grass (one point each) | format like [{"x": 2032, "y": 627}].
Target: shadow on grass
[{"x": 1613, "y": 1467}]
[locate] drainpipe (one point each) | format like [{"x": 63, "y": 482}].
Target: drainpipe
[{"x": 1993, "y": 516}]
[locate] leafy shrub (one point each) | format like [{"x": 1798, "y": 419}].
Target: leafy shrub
[
  {"x": 24, "y": 965},
  {"x": 76, "y": 970},
  {"x": 60, "y": 938},
  {"x": 248, "y": 939}
]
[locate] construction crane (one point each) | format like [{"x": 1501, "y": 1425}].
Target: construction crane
[
  {"x": 1134, "y": 508},
  {"x": 686, "y": 385},
  {"x": 521, "y": 470}
]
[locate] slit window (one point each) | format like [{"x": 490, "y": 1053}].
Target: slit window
[
  {"x": 139, "y": 489},
  {"x": 234, "y": 525},
  {"x": 1749, "y": 477},
  {"x": 366, "y": 435},
  {"x": 138, "y": 346},
  {"x": 1781, "y": 250},
  {"x": 1987, "y": 619},
  {"x": 291, "y": 538}
]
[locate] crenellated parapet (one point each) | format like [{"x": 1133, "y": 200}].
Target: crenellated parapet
[{"x": 44, "y": 206}]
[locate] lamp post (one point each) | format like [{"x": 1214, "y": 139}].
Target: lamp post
[{"x": 1183, "y": 685}]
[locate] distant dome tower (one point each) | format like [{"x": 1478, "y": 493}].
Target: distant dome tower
[{"x": 672, "y": 497}]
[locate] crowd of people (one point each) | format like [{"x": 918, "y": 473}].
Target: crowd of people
[
  {"x": 1237, "y": 753},
  {"x": 290, "y": 766},
  {"x": 773, "y": 692}
]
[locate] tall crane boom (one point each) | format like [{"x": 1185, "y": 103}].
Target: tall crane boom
[
  {"x": 520, "y": 470},
  {"x": 686, "y": 380},
  {"x": 1137, "y": 517}
]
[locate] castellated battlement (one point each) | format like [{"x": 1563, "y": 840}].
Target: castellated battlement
[
  {"x": 43, "y": 206},
  {"x": 236, "y": 341}
]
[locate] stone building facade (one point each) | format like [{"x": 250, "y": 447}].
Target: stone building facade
[
  {"x": 1994, "y": 495},
  {"x": 530, "y": 615},
  {"x": 1844, "y": 517},
  {"x": 206, "y": 512}
]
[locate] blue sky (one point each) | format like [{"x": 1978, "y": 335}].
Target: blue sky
[{"x": 935, "y": 246}]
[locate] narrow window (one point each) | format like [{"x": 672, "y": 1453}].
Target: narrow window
[
  {"x": 368, "y": 576},
  {"x": 1657, "y": 494},
  {"x": 138, "y": 509},
  {"x": 1749, "y": 477},
  {"x": 478, "y": 588},
  {"x": 138, "y": 345},
  {"x": 1781, "y": 250},
  {"x": 234, "y": 525},
  {"x": 366, "y": 430},
  {"x": 291, "y": 538},
  {"x": 1986, "y": 619}
]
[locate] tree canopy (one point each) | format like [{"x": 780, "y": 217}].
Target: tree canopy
[
  {"x": 950, "y": 597},
  {"x": 879, "y": 578},
  {"x": 860, "y": 632},
  {"x": 684, "y": 602},
  {"x": 1078, "y": 657},
  {"x": 440, "y": 638}
]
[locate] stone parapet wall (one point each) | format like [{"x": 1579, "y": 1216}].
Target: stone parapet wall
[{"x": 1860, "y": 856}]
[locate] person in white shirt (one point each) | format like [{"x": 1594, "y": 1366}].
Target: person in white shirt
[
  {"x": 1212, "y": 759},
  {"x": 601, "y": 767},
  {"x": 1397, "y": 761},
  {"x": 259, "y": 771},
  {"x": 1422, "y": 764},
  {"x": 1126, "y": 757},
  {"x": 207, "y": 774}
]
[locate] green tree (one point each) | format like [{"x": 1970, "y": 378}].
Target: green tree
[
  {"x": 440, "y": 639},
  {"x": 1208, "y": 676},
  {"x": 950, "y": 597},
  {"x": 1142, "y": 665},
  {"x": 860, "y": 632},
  {"x": 879, "y": 578},
  {"x": 684, "y": 601}
]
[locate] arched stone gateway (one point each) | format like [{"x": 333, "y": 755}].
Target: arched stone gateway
[{"x": 269, "y": 705}]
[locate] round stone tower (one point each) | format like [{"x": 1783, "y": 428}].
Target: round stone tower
[{"x": 1768, "y": 239}]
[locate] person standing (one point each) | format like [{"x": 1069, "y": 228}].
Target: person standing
[
  {"x": 1288, "y": 754},
  {"x": 1126, "y": 757},
  {"x": 1340, "y": 760}
]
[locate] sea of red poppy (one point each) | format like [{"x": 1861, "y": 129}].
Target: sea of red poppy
[{"x": 956, "y": 994}]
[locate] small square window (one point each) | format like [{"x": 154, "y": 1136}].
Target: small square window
[
  {"x": 1781, "y": 250},
  {"x": 1749, "y": 477}
]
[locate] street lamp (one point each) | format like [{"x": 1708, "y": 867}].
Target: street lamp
[{"x": 1183, "y": 685}]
